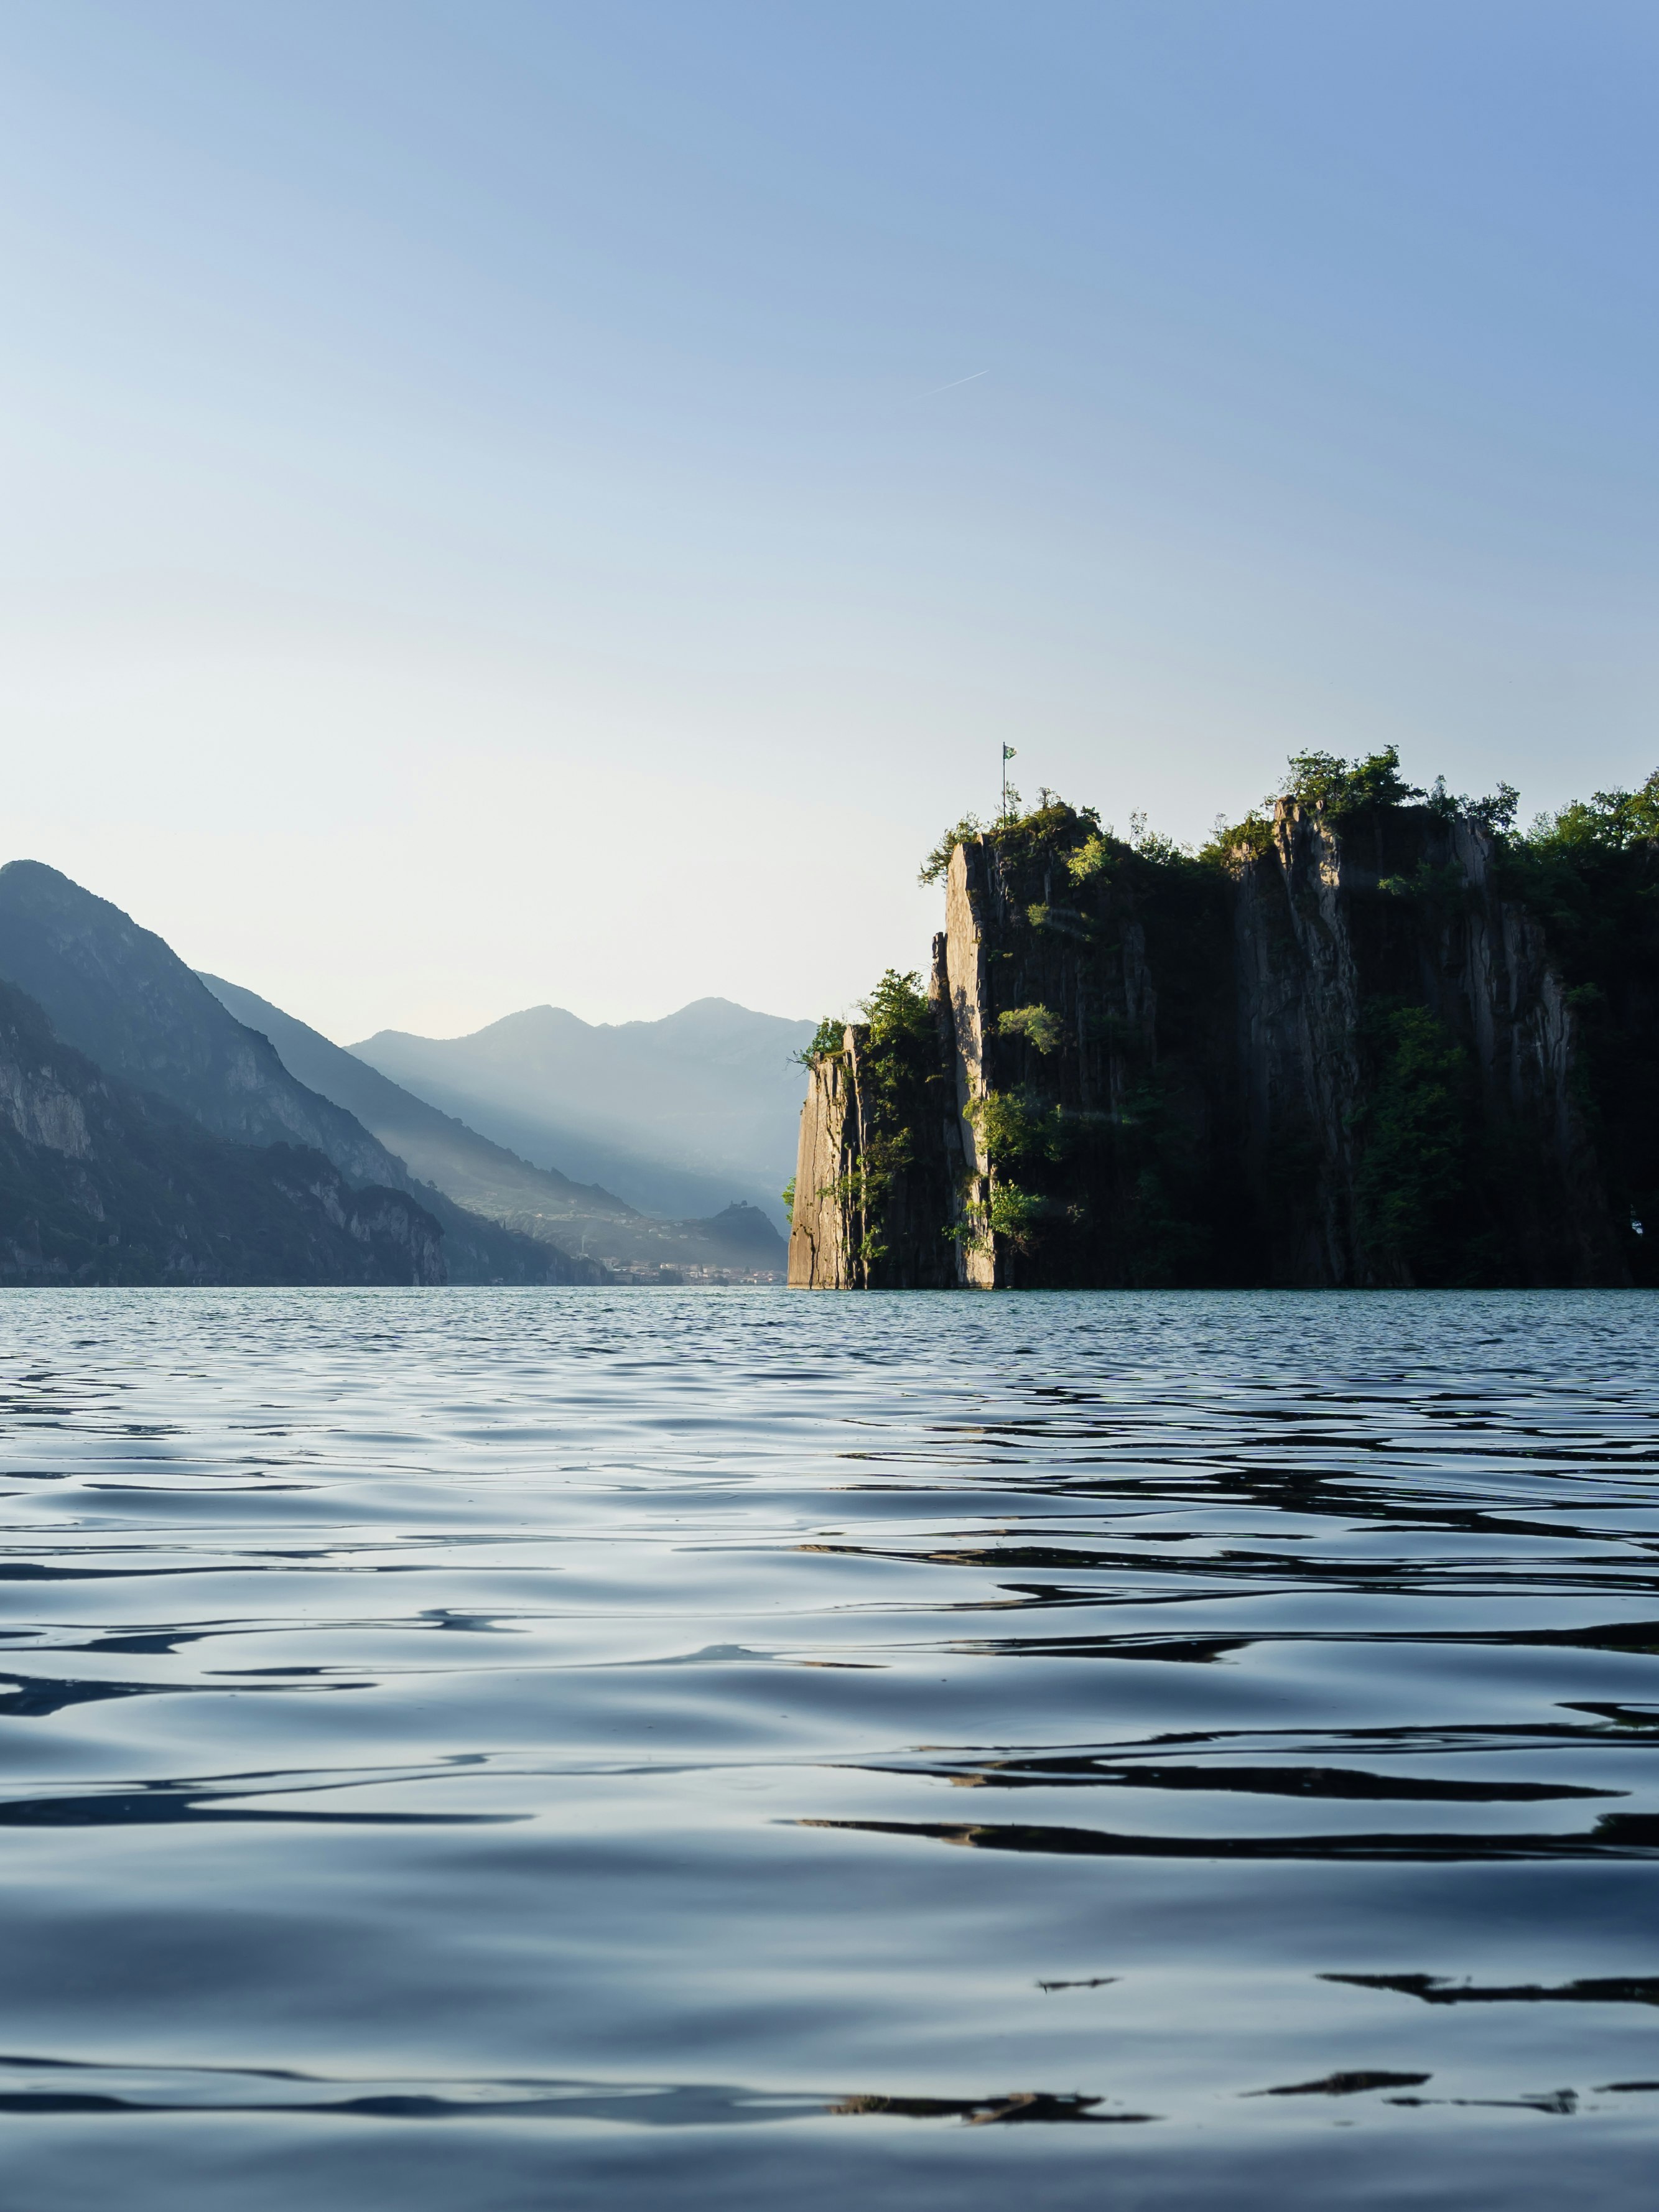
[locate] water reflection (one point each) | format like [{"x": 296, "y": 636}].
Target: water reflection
[
  {"x": 1346, "y": 2085},
  {"x": 1634, "y": 1837},
  {"x": 1434, "y": 1988}
]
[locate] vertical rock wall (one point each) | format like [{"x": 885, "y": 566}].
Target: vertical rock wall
[
  {"x": 1332, "y": 925},
  {"x": 878, "y": 1166},
  {"x": 822, "y": 1230},
  {"x": 962, "y": 990},
  {"x": 1525, "y": 1037},
  {"x": 1298, "y": 1003}
]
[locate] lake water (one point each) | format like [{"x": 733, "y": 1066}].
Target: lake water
[{"x": 502, "y": 1748}]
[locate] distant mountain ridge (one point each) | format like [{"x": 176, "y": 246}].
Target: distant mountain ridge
[
  {"x": 121, "y": 996},
  {"x": 244, "y": 1073},
  {"x": 677, "y": 1115},
  {"x": 539, "y": 1202},
  {"x": 433, "y": 1145}
]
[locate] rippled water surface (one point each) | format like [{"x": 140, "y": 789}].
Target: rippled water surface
[{"x": 500, "y": 1749}]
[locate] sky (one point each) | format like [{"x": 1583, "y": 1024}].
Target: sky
[{"x": 507, "y": 503}]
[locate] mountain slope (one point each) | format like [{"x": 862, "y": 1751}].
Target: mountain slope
[
  {"x": 103, "y": 1183},
  {"x": 679, "y": 1114},
  {"x": 433, "y": 1145},
  {"x": 120, "y": 994}
]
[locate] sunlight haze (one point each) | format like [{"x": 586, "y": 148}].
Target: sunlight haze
[{"x": 531, "y": 504}]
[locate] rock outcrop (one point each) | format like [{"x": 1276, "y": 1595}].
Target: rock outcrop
[
  {"x": 876, "y": 1176},
  {"x": 823, "y": 1225},
  {"x": 1347, "y": 1055}
]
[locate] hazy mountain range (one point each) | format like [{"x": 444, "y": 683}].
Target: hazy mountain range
[
  {"x": 490, "y": 1178},
  {"x": 155, "y": 1125},
  {"x": 678, "y": 1116}
]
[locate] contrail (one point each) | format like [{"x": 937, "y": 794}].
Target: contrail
[{"x": 954, "y": 381}]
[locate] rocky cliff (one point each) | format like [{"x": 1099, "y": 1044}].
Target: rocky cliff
[
  {"x": 882, "y": 1147},
  {"x": 1416, "y": 1102},
  {"x": 1347, "y": 1047}
]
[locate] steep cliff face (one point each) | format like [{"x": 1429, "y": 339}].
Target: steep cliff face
[
  {"x": 1345, "y": 1056},
  {"x": 880, "y": 1160},
  {"x": 1379, "y": 958},
  {"x": 102, "y": 1183},
  {"x": 824, "y": 1230},
  {"x": 961, "y": 987},
  {"x": 1083, "y": 1113}
]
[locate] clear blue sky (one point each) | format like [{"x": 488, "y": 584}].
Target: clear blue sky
[{"x": 513, "y": 502}]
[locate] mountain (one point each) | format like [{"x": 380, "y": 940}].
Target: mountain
[
  {"x": 677, "y": 1115},
  {"x": 120, "y": 995},
  {"x": 103, "y": 1183},
  {"x": 433, "y": 1145},
  {"x": 492, "y": 1181}
]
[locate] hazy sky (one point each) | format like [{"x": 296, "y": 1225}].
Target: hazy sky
[{"x": 507, "y": 503}]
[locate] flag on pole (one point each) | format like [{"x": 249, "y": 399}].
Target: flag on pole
[{"x": 1008, "y": 752}]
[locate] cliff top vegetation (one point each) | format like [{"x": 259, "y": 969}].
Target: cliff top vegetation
[
  {"x": 895, "y": 1013},
  {"x": 1608, "y": 821}
]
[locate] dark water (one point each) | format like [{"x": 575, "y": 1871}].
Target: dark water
[{"x": 515, "y": 1748}]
